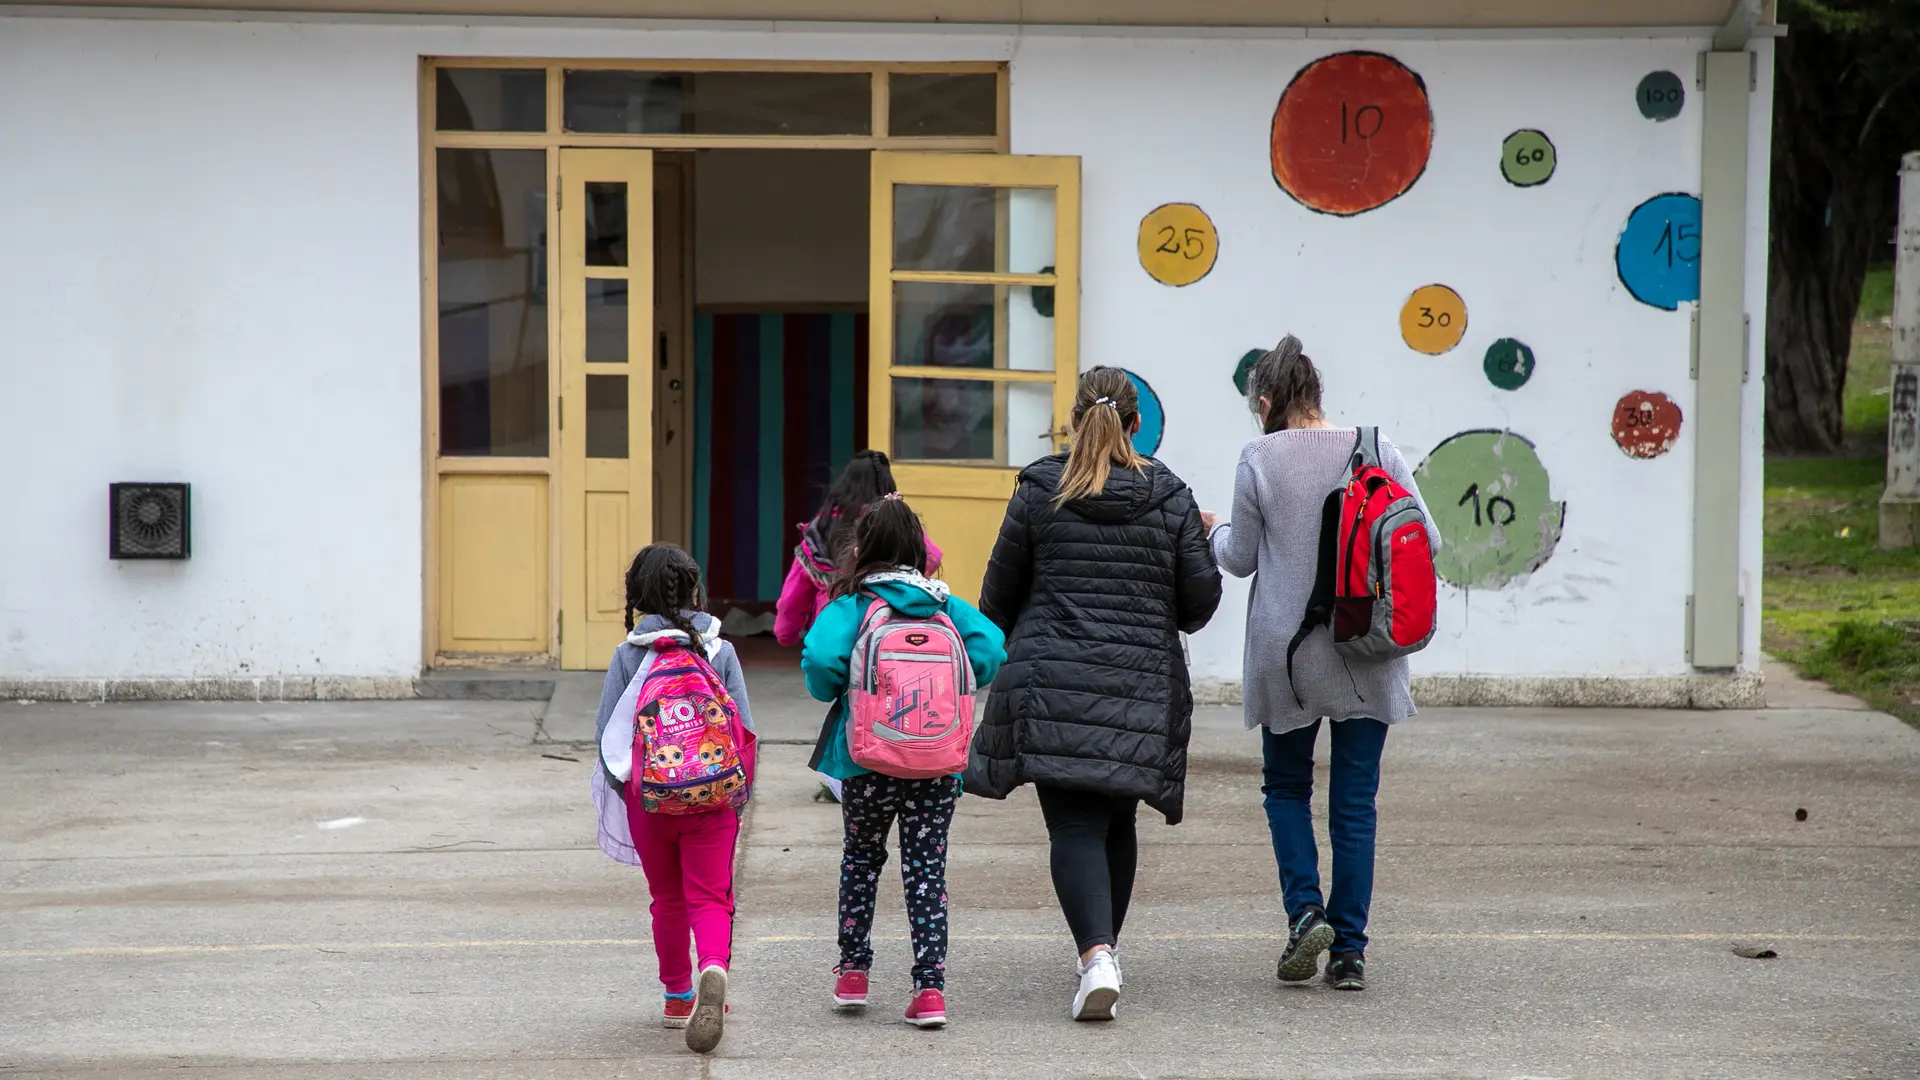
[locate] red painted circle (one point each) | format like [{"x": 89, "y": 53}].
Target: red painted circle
[
  {"x": 1646, "y": 424},
  {"x": 1352, "y": 132}
]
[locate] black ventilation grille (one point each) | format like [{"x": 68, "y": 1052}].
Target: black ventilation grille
[{"x": 150, "y": 521}]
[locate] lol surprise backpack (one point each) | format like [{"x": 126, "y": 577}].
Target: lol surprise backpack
[
  {"x": 1375, "y": 586},
  {"x": 909, "y": 696},
  {"x": 688, "y": 742}
]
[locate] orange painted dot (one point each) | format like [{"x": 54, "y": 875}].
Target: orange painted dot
[
  {"x": 1352, "y": 132},
  {"x": 1433, "y": 320}
]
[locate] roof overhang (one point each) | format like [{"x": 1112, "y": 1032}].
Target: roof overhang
[{"x": 1317, "y": 14}]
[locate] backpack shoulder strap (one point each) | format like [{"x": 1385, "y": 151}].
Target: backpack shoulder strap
[
  {"x": 1366, "y": 449},
  {"x": 1320, "y": 601}
]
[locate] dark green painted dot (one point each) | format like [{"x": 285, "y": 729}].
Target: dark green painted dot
[
  {"x": 1660, "y": 95},
  {"x": 1043, "y": 296},
  {"x": 1509, "y": 364},
  {"x": 1244, "y": 370}
]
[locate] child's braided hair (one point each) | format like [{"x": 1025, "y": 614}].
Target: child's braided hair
[{"x": 664, "y": 580}]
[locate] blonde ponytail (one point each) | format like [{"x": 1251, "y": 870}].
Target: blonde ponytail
[{"x": 1104, "y": 412}]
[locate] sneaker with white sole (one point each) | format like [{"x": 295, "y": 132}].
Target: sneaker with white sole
[
  {"x": 1080, "y": 967},
  {"x": 1099, "y": 994},
  {"x": 709, "y": 1010}
]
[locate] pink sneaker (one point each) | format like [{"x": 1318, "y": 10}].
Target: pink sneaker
[
  {"x": 849, "y": 989},
  {"x": 928, "y": 1009}
]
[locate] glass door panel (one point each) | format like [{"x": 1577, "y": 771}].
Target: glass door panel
[{"x": 975, "y": 323}]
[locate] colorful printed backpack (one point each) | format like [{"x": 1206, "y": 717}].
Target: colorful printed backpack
[
  {"x": 688, "y": 743},
  {"x": 909, "y": 696},
  {"x": 1375, "y": 586}
]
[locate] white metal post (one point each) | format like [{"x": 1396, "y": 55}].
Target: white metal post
[{"x": 1900, "y": 504}]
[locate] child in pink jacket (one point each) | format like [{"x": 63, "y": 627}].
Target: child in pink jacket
[{"x": 867, "y": 477}]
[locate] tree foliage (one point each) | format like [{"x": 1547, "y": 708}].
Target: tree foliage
[{"x": 1846, "y": 106}]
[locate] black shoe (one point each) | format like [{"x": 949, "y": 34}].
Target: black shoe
[
  {"x": 1310, "y": 937},
  {"x": 1347, "y": 971}
]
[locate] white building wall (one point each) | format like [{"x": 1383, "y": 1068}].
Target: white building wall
[{"x": 221, "y": 284}]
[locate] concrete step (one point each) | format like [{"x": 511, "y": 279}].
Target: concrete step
[{"x": 487, "y": 684}]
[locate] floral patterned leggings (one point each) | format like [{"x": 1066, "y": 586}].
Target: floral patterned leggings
[{"x": 870, "y": 804}]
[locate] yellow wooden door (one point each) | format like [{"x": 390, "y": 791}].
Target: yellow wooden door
[
  {"x": 605, "y": 409},
  {"x": 975, "y": 334}
]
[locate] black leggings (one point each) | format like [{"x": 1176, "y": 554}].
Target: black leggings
[{"x": 1094, "y": 855}]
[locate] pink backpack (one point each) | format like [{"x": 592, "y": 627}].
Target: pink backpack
[
  {"x": 909, "y": 696},
  {"x": 690, "y": 752}
]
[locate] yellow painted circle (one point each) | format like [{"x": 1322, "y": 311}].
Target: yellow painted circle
[
  {"x": 1434, "y": 320},
  {"x": 1178, "y": 244}
]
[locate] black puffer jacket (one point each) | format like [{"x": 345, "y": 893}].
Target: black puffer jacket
[{"x": 1093, "y": 596}]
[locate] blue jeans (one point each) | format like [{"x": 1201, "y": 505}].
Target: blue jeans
[{"x": 1354, "y": 779}]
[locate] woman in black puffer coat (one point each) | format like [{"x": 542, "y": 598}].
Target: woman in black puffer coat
[{"x": 1101, "y": 565}]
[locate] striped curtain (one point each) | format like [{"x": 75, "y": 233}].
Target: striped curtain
[{"x": 780, "y": 404}]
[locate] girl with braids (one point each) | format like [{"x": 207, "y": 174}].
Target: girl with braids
[
  {"x": 1101, "y": 565},
  {"x": 688, "y": 858},
  {"x": 823, "y": 541},
  {"x": 1284, "y": 478},
  {"x": 886, "y": 564}
]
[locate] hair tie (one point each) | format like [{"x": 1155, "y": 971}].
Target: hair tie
[
  {"x": 892, "y": 496},
  {"x": 1108, "y": 402}
]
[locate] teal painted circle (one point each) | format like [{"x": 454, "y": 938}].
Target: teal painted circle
[
  {"x": 1509, "y": 364},
  {"x": 1153, "y": 419},
  {"x": 1243, "y": 371},
  {"x": 1658, "y": 256}
]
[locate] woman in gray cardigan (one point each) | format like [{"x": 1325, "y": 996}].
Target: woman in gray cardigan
[{"x": 1283, "y": 479}]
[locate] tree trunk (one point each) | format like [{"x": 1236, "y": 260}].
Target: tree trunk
[{"x": 1830, "y": 209}]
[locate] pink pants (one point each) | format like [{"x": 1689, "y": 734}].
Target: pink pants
[{"x": 688, "y": 859}]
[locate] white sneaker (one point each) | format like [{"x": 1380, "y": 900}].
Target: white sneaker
[
  {"x": 1099, "y": 994},
  {"x": 1080, "y": 967}
]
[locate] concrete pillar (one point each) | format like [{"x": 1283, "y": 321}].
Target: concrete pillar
[{"x": 1900, "y": 504}]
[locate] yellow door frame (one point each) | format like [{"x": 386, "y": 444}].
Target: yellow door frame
[
  {"x": 441, "y": 474},
  {"x": 962, "y": 504},
  {"x": 606, "y": 501}
]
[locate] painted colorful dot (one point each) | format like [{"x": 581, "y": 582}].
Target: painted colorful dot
[
  {"x": 1178, "y": 244},
  {"x": 1646, "y": 423},
  {"x": 1352, "y": 132},
  {"x": 1658, "y": 256},
  {"x": 1153, "y": 418},
  {"x": 1491, "y": 500},
  {"x": 1243, "y": 371},
  {"x": 1433, "y": 320},
  {"x": 1661, "y": 95},
  {"x": 1527, "y": 158},
  {"x": 1509, "y": 364}
]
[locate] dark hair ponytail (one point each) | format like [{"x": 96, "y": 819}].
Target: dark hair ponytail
[
  {"x": 867, "y": 476},
  {"x": 664, "y": 580},
  {"x": 888, "y": 536},
  {"x": 1286, "y": 377}
]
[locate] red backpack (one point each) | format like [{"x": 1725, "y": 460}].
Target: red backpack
[{"x": 1375, "y": 586}]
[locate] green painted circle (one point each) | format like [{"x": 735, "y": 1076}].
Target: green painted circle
[
  {"x": 1509, "y": 364},
  {"x": 1490, "y": 497},
  {"x": 1243, "y": 371},
  {"x": 1527, "y": 158}
]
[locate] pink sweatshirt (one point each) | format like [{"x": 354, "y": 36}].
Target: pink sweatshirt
[{"x": 801, "y": 600}]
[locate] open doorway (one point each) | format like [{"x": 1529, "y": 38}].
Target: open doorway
[{"x": 777, "y": 360}]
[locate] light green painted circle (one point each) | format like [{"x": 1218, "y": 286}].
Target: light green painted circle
[
  {"x": 1491, "y": 499},
  {"x": 1527, "y": 158}
]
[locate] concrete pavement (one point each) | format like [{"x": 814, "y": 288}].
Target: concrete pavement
[{"x": 411, "y": 889}]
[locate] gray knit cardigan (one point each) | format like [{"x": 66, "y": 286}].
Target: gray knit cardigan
[{"x": 1282, "y": 482}]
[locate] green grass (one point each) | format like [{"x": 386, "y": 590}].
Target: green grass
[
  {"x": 1876, "y": 298},
  {"x": 1836, "y": 606}
]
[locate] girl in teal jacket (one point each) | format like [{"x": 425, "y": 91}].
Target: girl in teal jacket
[{"x": 890, "y": 563}]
